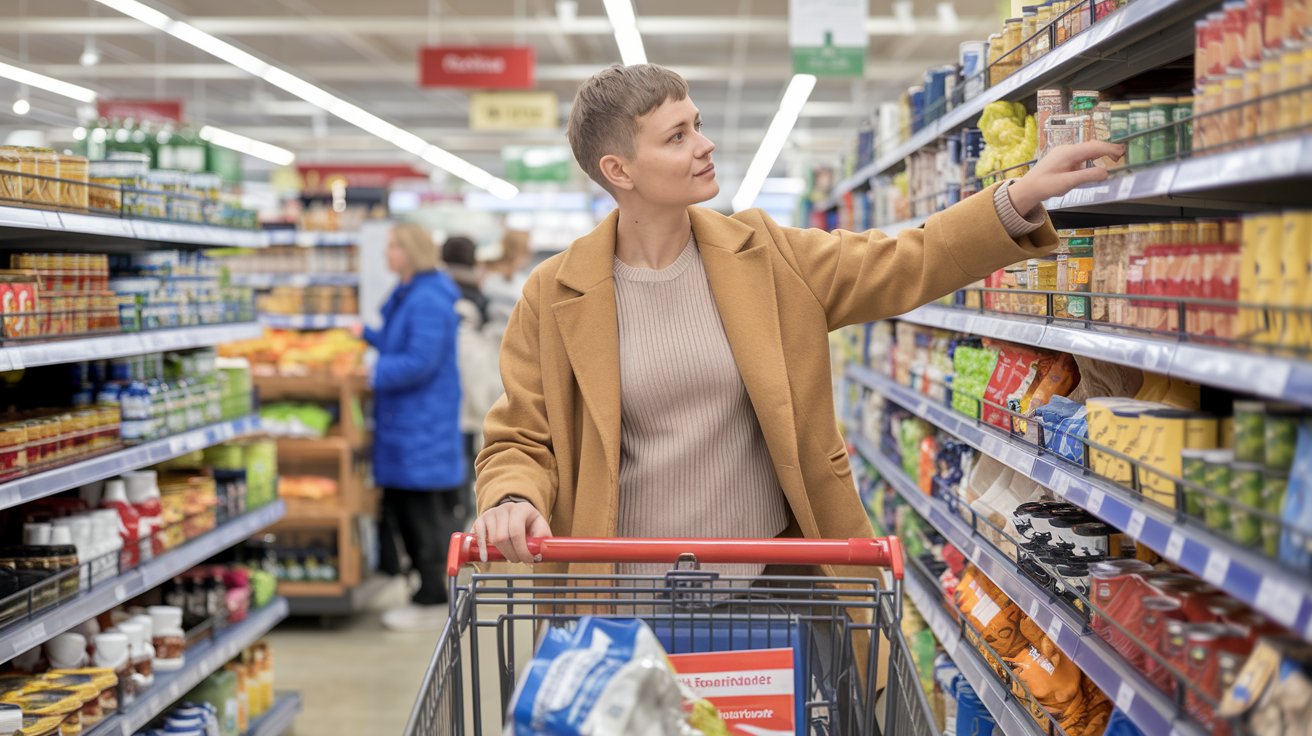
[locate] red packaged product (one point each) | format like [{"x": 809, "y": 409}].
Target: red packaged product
[
  {"x": 1011, "y": 370},
  {"x": 1234, "y": 32},
  {"x": 1158, "y": 610}
]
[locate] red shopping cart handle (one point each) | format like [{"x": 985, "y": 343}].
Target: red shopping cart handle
[{"x": 876, "y": 552}]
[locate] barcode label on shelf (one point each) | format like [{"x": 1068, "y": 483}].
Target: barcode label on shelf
[
  {"x": 1174, "y": 546},
  {"x": 1135, "y": 527},
  {"x": 1278, "y": 600},
  {"x": 1218, "y": 564},
  {"x": 120, "y": 592},
  {"x": 1124, "y": 697},
  {"x": 1034, "y": 608},
  {"x": 1125, "y": 187},
  {"x": 1095, "y": 500}
]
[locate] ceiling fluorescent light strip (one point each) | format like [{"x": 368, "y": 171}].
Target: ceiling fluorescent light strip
[
  {"x": 625, "y": 24},
  {"x": 321, "y": 98},
  {"x": 249, "y": 146},
  {"x": 795, "y": 97},
  {"x": 49, "y": 84}
]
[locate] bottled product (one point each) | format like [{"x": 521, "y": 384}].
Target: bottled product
[
  {"x": 116, "y": 498},
  {"x": 143, "y": 494},
  {"x": 169, "y": 639}
]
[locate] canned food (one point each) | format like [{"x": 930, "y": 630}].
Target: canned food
[
  {"x": 1137, "y": 148},
  {"x": 1246, "y": 481},
  {"x": 1216, "y": 512},
  {"x": 1250, "y": 433}
]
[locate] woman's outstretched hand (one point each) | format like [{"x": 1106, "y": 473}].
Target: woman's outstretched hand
[{"x": 1059, "y": 171}]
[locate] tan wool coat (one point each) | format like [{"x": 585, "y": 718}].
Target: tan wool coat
[{"x": 554, "y": 437}]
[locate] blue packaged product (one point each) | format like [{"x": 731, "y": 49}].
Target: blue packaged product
[
  {"x": 1120, "y": 725},
  {"x": 973, "y": 719},
  {"x": 939, "y": 82},
  {"x": 1296, "y": 513},
  {"x": 917, "y": 96},
  {"x": 601, "y": 676},
  {"x": 972, "y": 56}
]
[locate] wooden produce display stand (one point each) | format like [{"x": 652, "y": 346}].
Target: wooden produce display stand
[{"x": 343, "y": 456}]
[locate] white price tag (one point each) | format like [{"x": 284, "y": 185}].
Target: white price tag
[
  {"x": 1135, "y": 527},
  {"x": 1095, "y": 500},
  {"x": 990, "y": 446},
  {"x": 120, "y": 592},
  {"x": 1124, "y": 697},
  {"x": 1054, "y": 631},
  {"x": 1034, "y": 608},
  {"x": 1278, "y": 600},
  {"x": 34, "y": 635},
  {"x": 922, "y": 407},
  {"x": 1218, "y": 564},
  {"x": 177, "y": 445},
  {"x": 1061, "y": 483},
  {"x": 1174, "y": 546},
  {"x": 1125, "y": 187},
  {"x": 16, "y": 360},
  {"x": 976, "y": 553}
]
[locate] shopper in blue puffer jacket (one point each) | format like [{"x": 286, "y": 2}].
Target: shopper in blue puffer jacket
[{"x": 418, "y": 452}]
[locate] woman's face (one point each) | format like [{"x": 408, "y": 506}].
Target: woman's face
[
  {"x": 397, "y": 261},
  {"x": 672, "y": 159}
]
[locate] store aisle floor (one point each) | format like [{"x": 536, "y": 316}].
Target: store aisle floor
[{"x": 355, "y": 678}]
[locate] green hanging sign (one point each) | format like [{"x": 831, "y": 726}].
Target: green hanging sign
[{"x": 828, "y": 37}]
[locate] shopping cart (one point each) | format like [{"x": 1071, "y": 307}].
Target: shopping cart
[{"x": 841, "y": 629}]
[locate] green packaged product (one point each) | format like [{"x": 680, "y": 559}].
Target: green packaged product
[
  {"x": 261, "y": 462},
  {"x": 1250, "y": 436},
  {"x": 1137, "y": 147},
  {"x": 1216, "y": 511},
  {"x": 1280, "y": 435},
  {"x": 228, "y": 456},
  {"x": 1274, "y": 486},
  {"x": 1161, "y": 143},
  {"x": 1194, "y": 470},
  {"x": 1183, "y": 113},
  {"x": 1246, "y": 481},
  {"x": 972, "y": 369},
  {"x": 220, "y": 691}
]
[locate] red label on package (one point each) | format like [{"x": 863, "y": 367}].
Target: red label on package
[{"x": 753, "y": 689}]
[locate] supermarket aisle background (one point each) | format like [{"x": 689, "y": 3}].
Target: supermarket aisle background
[{"x": 370, "y": 681}]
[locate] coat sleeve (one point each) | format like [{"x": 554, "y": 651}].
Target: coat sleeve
[
  {"x": 862, "y": 277},
  {"x": 373, "y": 337},
  {"x": 518, "y": 458},
  {"x": 419, "y": 359}
]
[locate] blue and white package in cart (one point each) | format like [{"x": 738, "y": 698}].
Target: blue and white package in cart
[{"x": 605, "y": 676}]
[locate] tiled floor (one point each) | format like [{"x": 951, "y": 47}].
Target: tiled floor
[{"x": 356, "y": 678}]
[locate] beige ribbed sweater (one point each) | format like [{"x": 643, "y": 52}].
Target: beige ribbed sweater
[{"x": 693, "y": 461}]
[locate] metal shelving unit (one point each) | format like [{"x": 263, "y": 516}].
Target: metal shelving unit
[
  {"x": 39, "y": 485},
  {"x": 271, "y": 280},
  {"x": 1152, "y": 710},
  {"x": 28, "y": 355},
  {"x": 1270, "y": 376},
  {"x": 202, "y": 660},
  {"x": 308, "y": 321},
  {"x": 1140, "y": 36},
  {"x": 1240, "y": 571},
  {"x": 312, "y": 238},
  {"x": 23, "y": 223},
  {"x": 100, "y": 597}
]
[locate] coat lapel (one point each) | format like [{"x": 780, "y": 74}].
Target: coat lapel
[
  {"x": 741, "y": 276},
  {"x": 589, "y": 329}
]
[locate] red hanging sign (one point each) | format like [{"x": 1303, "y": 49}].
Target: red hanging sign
[
  {"x": 477, "y": 67},
  {"x": 153, "y": 110}
]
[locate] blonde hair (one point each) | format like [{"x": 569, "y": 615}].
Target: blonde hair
[
  {"x": 417, "y": 245},
  {"x": 604, "y": 118},
  {"x": 514, "y": 249}
]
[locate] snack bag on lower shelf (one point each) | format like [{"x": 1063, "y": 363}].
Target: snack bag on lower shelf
[{"x": 606, "y": 676}]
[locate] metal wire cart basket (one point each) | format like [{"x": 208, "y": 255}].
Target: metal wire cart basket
[{"x": 844, "y": 632}]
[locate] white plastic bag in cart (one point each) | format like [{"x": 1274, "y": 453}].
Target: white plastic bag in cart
[{"x": 601, "y": 677}]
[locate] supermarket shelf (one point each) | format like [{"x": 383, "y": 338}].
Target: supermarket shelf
[
  {"x": 1270, "y": 376},
  {"x": 297, "y": 589},
  {"x": 202, "y": 660},
  {"x": 1007, "y": 712},
  {"x": 19, "y": 638},
  {"x": 324, "y": 387},
  {"x": 1218, "y": 182},
  {"x": 308, "y": 321},
  {"x": 1152, "y": 710},
  {"x": 270, "y": 280},
  {"x": 111, "y": 464},
  {"x": 27, "y": 355},
  {"x": 1259, "y": 581},
  {"x": 309, "y": 599},
  {"x": 22, "y": 222},
  {"x": 311, "y": 238},
  {"x": 278, "y": 719},
  {"x": 320, "y": 446},
  {"x": 1140, "y": 36}
]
